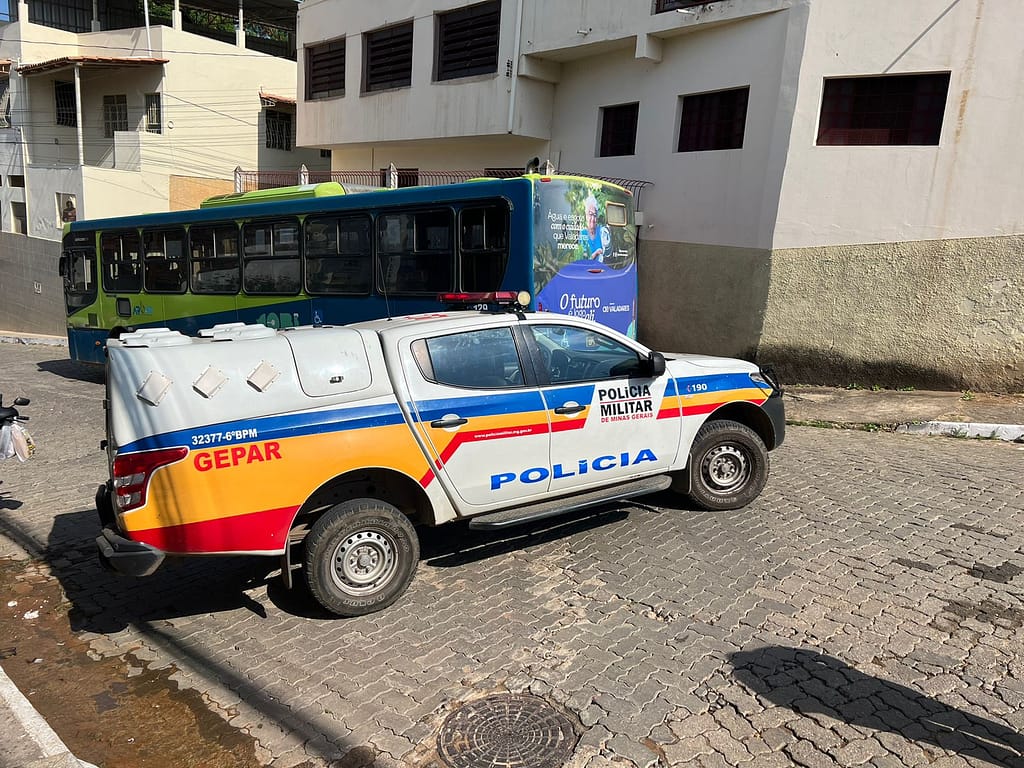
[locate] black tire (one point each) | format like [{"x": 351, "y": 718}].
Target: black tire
[
  {"x": 360, "y": 557},
  {"x": 728, "y": 466}
]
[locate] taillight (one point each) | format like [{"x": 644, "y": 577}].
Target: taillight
[{"x": 132, "y": 473}]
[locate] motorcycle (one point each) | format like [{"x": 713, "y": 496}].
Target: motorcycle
[{"x": 14, "y": 438}]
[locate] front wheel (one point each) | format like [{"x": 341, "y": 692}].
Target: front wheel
[
  {"x": 360, "y": 557},
  {"x": 728, "y": 466}
]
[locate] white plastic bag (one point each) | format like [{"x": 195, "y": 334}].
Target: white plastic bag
[
  {"x": 6, "y": 442},
  {"x": 22, "y": 442}
]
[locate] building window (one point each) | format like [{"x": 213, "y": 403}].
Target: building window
[
  {"x": 5, "y": 102},
  {"x": 388, "y": 62},
  {"x": 663, "y": 6},
  {"x": 64, "y": 101},
  {"x": 16, "y": 180},
  {"x": 115, "y": 114},
  {"x": 325, "y": 70},
  {"x": 67, "y": 208},
  {"x": 154, "y": 113},
  {"x": 467, "y": 41},
  {"x": 713, "y": 120},
  {"x": 325, "y": 154},
  {"x": 886, "y": 110},
  {"x": 279, "y": 130},
  {"x": 19, "y": 219},
  {"x": 618, "y": 130}
]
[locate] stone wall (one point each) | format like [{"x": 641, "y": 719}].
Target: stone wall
[
  {"x": 944, "y": 314},
  {"x": 31, "y": 291}
]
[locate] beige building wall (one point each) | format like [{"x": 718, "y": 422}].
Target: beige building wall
[
  {"x": 881, "y": 265},
  {"x": 188, "y": 192}
]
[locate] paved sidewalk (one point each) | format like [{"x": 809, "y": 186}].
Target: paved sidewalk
[
  {"x": 955, "y": 414},
  {"x": 26, "y": 740}
]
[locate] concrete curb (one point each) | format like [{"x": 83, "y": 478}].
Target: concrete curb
[
  {"x": 7, "y": 337},
  {"x": 27, "y": 736},
  {"x": 1013, "y": 433}
]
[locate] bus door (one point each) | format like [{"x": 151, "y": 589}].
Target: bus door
[
  {"x": 121, "y": 276},
  {"x": 165, "y": 274}
]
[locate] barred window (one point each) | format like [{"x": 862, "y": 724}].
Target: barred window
[
  {"x": 388, "y": 58},
  {"x": 618, "y": 130},
  {"x": 883, "y": 110},
  {"x": 64, "y": 102},
  {"x": 154, "y": 113},
  {"x": 115, "y": 114},
  {"x": 467, "y": 41},
  {"x": 713, "y": 120},
  {"x": 279, "y": 130},
  {"x": 325, "y": 70}
]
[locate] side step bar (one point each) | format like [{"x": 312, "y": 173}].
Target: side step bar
[{"x": 506, "y": 518}]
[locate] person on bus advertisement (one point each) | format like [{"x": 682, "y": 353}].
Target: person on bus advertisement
[
  {"x": 583, "y": 266},
  {"x": 595, "y": 237}
]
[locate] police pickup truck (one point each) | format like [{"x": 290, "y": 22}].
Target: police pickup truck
[{"x": 248, "y": 440}]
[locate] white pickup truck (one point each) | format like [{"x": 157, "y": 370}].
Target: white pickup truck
[{"x": 337, "y": 441}]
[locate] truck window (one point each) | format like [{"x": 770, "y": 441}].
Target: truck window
[
  {"x": 475, "y": 359},
  {"x": 579, "y": 354}
]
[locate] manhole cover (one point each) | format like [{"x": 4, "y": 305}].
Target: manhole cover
[{"x": 508, "y": 730}]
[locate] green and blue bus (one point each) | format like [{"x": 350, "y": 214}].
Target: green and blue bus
[{"x": 318, "y": 254}]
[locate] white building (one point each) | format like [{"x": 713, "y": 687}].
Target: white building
[
  {"x": 835, "y": 184},
  {"x": 103, "y": 115}
]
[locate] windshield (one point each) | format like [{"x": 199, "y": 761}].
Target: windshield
[{"x": 78, "y": 266}]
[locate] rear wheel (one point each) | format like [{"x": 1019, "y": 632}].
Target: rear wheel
[
  {"x": 728, "y": 466},
  {"x": 360, "y": 557}
]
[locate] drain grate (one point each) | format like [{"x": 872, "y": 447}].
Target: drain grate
[{"x": 506, "y": 731}]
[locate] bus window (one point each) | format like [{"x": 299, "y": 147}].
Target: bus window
[
  {"x": 121, "y": 263},
  {"x": 483, "y": 247},
  {"x": 214, "y": 258},
  {"x": 338, "y": 257},
  {"x": 270, "y": 255},
  {"x": 164, "y": 260},
  {"x": 415, "y": 251}
]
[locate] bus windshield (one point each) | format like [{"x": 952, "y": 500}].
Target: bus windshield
[{"x": 328, "y": 256}]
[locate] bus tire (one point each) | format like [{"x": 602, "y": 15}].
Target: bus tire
[
  {"x": 728, "y": 466},
  {"x": 360, "y": 557}
]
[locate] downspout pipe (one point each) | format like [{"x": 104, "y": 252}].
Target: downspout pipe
[
  {"x": 515, "y": 67},
  {"x": 78, "y": 115}
]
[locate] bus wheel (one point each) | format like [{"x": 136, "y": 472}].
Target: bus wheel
[
  {"x": 728, "y": 466},
  {"x": 360, "y": 557}
]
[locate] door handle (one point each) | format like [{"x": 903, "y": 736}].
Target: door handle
[
  {"x": 570, "y": 409},
  {"x": 447, "y": 423}
]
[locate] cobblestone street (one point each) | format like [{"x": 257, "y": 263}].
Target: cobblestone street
[{"x": 868, "y": 609}]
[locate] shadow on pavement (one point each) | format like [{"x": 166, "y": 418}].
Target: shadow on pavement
[
  {"x": 810, "y": 682},
  {"x": 455, "y": 544},
  {"x": 70, "y": 369}
]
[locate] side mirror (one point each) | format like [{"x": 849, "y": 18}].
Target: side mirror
[
  {"x": 655, "y": 364},
  {"x": 62, "y": 266}
]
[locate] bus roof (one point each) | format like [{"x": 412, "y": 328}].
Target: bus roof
[
  {"x": 298, "y": 204},
  {"x": 277, "y": 194}
]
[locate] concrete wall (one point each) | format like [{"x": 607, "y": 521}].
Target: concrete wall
[
  {"x": 31, "y": 292},
  {"x": 968, "y": 185},
  {"x": 942, "y": 313}
]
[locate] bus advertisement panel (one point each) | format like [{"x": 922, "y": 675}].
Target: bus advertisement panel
[{"x": 585, "y": 252}]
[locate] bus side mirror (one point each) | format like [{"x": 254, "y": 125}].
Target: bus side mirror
[
  {"x": 62, "y": 266},
  {"x": 655, "y": 364}
]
